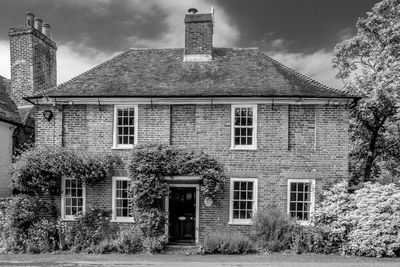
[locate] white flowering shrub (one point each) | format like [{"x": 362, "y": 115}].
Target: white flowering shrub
[
  {"x": 364, "y": 223},
  {"x": 376, "y": 218}
]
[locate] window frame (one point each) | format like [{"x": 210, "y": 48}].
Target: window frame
[
  {"x": 255, "y": 200},
  {"x": 312, "y": 198},
  {"x": 115, "y": 126},
  {"x": 255, "y": 122},
  {"x": 63, "y": 204},
  {"x": 114, "y": 217}
]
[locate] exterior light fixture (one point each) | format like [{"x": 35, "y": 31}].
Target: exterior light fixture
[{"x": 48, "y": 114}]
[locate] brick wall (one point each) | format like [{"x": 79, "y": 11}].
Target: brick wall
[{"x": 293, "y": 142}]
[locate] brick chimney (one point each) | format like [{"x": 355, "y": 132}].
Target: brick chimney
[
  {"x": 33, "y": 59},
  {"x": 198, "y": 36}
]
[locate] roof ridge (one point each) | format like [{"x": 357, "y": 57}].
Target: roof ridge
[
  {"x": 305, "y": 77},
  {"x": 92, "y": 69}
]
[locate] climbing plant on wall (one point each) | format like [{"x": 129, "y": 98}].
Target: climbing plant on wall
[
  {"x": 149, "y": 165},
  {"x": 38, "y": 171}
]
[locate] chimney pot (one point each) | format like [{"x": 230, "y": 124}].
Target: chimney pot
[
  {"x": 30, "y": 18},
  {"x": 46, "y": 29},
  {"x": 38, "y": 24},
  {"x": 192, "y": 10}
]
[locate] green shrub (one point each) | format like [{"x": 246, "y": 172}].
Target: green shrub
[
  {"x": 228, "y": 243},
  {"x": 91, "y": 228},
  {"x": 22, "y": 213},
  {"x": 376, "y": 228},
  {"x": 128, "y": 241},
  {"x": 42, "y": 237},
  {"x": 155, "y": 244},
  {"x": 274, "y": 229},
  {"x": 365, "y": 223}
]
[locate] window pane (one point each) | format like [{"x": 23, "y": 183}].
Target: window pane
[
  {"x": 249, "y": 140},
  {"x": 236, "y": 185},
  {"x": 250, "y": 186},
  {"x": 237, "y": 140},
  {"x": 300, "y": 187},
  {"x": 235, "y": 204},
  {"x": 243, "y": 185},
  {"x": 242, "y": 214},
  {"x": 293, "y": 187},
  {"x": 131, "y": 140},
  {"x": 236, "y": 214}
]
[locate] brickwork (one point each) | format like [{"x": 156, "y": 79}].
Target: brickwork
[
  {"x": 198, "y": 34},
  {"x": 301, "y": 127},
  {"x": 33, "y": 63},
  {"x": 282, "y": 151},
  {"x": 183, "y": 125}
]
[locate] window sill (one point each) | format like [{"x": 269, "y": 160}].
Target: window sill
[
  {"x": 240, "y": 223},
  {"x": 68, "y": 219},
  {"x": 243, "y": 148},
  {"x": 304, "y": 223},
  {"x": 122, "y": 221},
  {"x": 122, "y": 147}
]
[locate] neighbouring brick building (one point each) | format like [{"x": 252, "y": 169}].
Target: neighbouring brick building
[{"x": 280, "y": 135}]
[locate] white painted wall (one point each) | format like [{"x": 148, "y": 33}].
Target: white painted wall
[{"x": 6, "y": 131}]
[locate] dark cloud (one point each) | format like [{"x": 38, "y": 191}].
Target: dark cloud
[
  {"x": 308, "y": 25},
  {"x": 103, "y": 25}
]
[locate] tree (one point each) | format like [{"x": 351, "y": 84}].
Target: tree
[{"x": 369, "y": 66}]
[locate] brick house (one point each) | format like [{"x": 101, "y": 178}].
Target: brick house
[{"x": 280, "y": 135}]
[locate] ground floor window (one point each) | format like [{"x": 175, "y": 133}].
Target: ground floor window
[
  {"x": 121, "y": 206},
  {"x": 73, "y": 198},
  {"x": 243, "y": 200},
  {"x": 301, "y": 195}
]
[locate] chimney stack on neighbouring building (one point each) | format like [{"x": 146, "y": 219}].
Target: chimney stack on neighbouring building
[
  {"x": 30, "y": 19},
  {"x": 198, "y": 36},
  {"x": 46, "y": 29},
  {"x": 38, "y": 24},
  {"x": 33, "y": 59}
]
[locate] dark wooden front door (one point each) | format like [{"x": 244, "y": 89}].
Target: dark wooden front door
[{"x": 182, "y": 214}]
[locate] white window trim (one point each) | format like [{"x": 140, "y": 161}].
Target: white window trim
[
  {"x": 312, "y": 195},
  {"x": 70, "y": 217},
  {"x": 114, "y": 217},
  {"x": 255, "y": 122},
  {"x": 115, "y": 145},
  {"x": 255, "y": 198}
]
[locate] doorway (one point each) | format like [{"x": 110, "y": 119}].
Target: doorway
[{"x": 183, "y": 214}]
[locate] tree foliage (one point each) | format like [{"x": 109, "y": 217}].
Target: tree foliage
[{"x": 369, "y": 65}]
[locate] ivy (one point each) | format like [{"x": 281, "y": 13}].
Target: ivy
[
  {"x": 38, "y": 171},
  {"x": 148, "y": 166}
]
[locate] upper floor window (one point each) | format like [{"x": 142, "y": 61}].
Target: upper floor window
[
  {"x": 301, "y": 197},
  {"x": 125, "y": 126},
  {"x": 244, "y": 126},
  {"x": 243, "y": 200},
  {"x": 121, "y": 208},
  {"x": 72, "y": 198}
]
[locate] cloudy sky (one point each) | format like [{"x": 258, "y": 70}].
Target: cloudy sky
[{"x": 300, "y": 33}]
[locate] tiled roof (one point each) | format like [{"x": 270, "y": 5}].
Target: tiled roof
[
  {"x": 163, "y": 73},
  {"x": 8, "y": 109}
]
